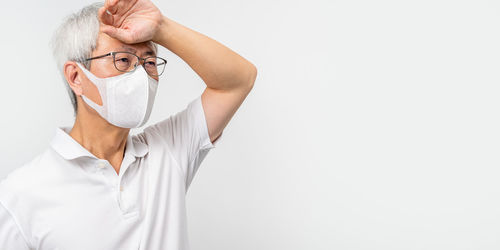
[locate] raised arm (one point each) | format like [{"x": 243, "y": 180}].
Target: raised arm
[{"x": 229, "y": 77}]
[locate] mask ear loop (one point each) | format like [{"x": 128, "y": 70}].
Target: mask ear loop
[{"x": 100, "y": 109}]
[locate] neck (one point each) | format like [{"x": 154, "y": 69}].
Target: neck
[{"x": 100, "y": 138}]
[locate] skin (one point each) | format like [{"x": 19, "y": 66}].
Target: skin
[{"x": 132, "y": 23}]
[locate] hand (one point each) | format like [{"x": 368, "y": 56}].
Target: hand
[{"x": 130, "y": 21}]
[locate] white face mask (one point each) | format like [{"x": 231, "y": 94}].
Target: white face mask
[{"x": 127, "y": 99}]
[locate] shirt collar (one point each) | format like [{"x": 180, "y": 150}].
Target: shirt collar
[{"x": 70, "y": 149}]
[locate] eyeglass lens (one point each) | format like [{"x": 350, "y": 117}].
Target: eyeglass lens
[{"x": 127, "y": 62}]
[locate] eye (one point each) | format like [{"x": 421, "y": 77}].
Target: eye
[
  {"x": 151, "y": 64},
  {"x": 123, "y": 60}
]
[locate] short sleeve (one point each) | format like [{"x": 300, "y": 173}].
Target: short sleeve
[
  {"x": 11, "y": 236},
  {"x": 186, "y": 134}
]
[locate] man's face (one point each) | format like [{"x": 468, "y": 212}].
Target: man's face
[{"x": 104, "y": 67}]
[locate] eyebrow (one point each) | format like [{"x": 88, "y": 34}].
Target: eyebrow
[
  {"x": 150, "y": 53},
  {"x": 129, "y": 49},
  {"x": 132, "y": 50}
]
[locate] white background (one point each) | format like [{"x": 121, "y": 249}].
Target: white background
[{"x": 372, "y": 124}]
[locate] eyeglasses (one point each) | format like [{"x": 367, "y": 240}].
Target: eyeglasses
[{"x": 127, "y": 62}]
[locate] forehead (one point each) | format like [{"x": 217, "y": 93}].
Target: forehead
[{"x": 106, "y": 43}]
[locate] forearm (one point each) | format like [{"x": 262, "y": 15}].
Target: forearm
[{"x": 217, "y": 65}]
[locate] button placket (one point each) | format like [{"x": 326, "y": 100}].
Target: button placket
[
  {"x": 118, "y": 188},
  {"x": 118, "y": 183},
  {"x": 123, "y": 196},
  {"x": 108, "y": 173}
]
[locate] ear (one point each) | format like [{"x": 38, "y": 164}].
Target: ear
[{"x": 73, "y": 75}]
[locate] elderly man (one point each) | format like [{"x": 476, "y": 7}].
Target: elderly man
[{"x": 97, "y": 186}]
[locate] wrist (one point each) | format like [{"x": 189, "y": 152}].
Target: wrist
[{"x": 162, "y": 32}]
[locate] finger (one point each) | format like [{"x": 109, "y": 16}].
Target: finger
[
  {"x": 111, "y": 6},
  {"x": 120, "y": 34},
  {"x": 105, "y": 17},
  {"x": 120, "y": 7}
]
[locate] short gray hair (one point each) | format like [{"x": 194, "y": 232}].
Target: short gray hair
[{"x": 75, "y": 40}]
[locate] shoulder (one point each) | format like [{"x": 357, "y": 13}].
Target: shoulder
[
  {"x": 21, "y": 190},
  {"x": 30, "y": 176}
]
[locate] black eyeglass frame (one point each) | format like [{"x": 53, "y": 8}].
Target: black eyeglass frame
[{"x": 113, "y": 53}]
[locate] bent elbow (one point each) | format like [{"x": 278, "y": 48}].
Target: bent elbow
[{"x": 252, "y": 75}]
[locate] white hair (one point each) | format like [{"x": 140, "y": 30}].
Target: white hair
[{"x": 75, "y": 40}]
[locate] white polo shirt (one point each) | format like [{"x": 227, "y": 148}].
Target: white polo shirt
[{"x": 66, "y": 198}]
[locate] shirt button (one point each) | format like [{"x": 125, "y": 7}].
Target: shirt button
[
  {"x": 121, "y": 188},
  {"x": 101, "y": 165}
]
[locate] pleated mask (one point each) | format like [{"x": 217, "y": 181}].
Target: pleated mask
[{"x": 127, "y": 99}]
